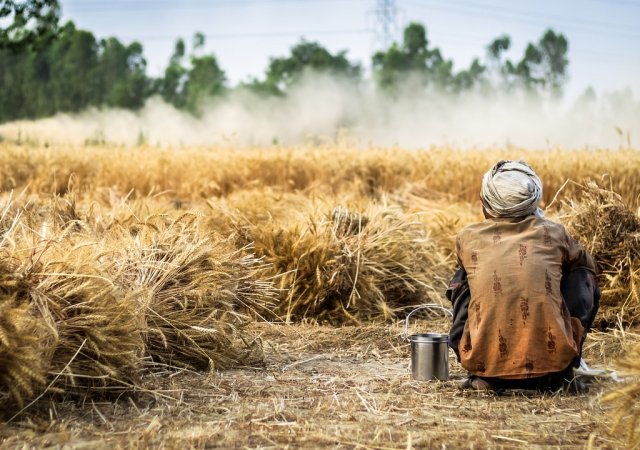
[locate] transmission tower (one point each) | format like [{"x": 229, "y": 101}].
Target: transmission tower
[{"x": 386, "y": 23}]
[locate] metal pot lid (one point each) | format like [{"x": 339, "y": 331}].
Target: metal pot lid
[{"x": 429, "y": 337}]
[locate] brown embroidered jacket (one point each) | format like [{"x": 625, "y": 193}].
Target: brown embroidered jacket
[{"x": 518, "y": 325}]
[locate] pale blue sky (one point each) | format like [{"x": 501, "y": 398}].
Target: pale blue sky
[{"x": 604, "y": 36}]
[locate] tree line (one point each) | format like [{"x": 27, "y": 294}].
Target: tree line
[{"x": 48, "y": 67}]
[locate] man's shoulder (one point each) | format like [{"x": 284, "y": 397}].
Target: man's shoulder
[
  {"x": 551, "y": 225},
  {"x": 473, "y": 231},
  {"x": 472, "y": 228}
]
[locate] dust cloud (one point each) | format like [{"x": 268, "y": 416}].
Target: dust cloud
[{"x": 326, "y": 109}]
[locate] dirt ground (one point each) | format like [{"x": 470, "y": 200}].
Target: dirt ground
[{"x": 324, "y": 387}]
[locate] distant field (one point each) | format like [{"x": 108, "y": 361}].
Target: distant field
[{"x": 251, "y": 297}]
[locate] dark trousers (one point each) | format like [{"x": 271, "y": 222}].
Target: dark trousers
[
  {"x": 581, "y": 295},
  {"x": 549, "y": 382}
]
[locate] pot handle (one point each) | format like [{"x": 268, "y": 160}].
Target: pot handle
[{"x": 427, "y": 306}]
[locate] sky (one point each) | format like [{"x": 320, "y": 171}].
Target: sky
[{"x": 603, "y": 35}]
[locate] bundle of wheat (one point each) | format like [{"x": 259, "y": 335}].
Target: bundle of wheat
[
  {"x": 63, "y": 316},
  {"x": 626, "y": 399},
  {"x": 43, "y": 215},
  {"x": 302, "y": 259},
  {"x": 394, "y": 263},
  {"x": 349, "y": 265},
  {"x": 249, "y": 208},
  {"x": 23, "y": 343},
  {"x": 194, "y": 291},
  {"x": 26, "y": 340},
  {"x": 610, "y": 231},
  {"x": 99, "y": 345},
  {"x": 441, "y": 214},
  {"x": 22, "y": 368}
]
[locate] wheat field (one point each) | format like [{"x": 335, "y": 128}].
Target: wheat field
[{"x": 238, "y": 297}]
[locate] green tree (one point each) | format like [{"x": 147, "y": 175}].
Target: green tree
[
  {"x": 413, "y": 58},
  {"x": 121, "y": 73},
  {"x": 45, "y": 68},
  {"x": 186, "y": 87},
  {"x": 27, "y": 22},
  {"x": 498, "y": 46},
  {"x": 11, "y": 79},
  {"x": 37, "y": 96},
  {"x": 554, "y": 62},
  {"x": 172, "y": 84},
  {"x": 25, "y": 26},
  {"x": 542, "y": 68},
  {"x": 73, "y": 75},
  {"x": 284, "y": 72},
  {"x": 198, "y": 41},
  {"x": 205, "y": 79},
  {"x": 70, "y": 72},
  {"x": 469, "y": 78}
]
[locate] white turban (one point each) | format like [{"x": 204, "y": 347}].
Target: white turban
[{"x": 511, "y": 189}]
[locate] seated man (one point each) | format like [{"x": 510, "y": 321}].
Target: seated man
[{"x": 525, "y": 293}]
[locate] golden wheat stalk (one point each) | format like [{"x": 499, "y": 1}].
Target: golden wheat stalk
[
  {"x": 625, "y": 400},
  {"x": 195, "y": 292},
  {"x": 610, "y": 231}
]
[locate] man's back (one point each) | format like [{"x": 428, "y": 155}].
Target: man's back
[{"x": 518, "y": 325}]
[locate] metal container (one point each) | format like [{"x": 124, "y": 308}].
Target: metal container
[
  {"x": 429, "y": 351},
  {"x": 429, "y": 356}
]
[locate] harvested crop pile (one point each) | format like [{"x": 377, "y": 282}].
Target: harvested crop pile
[
  {"x": 441, "y": 213},
  {"x": 25, "y": 338},
  {"x": 246, "y": 208},
  {"x": 83, "y": 317},
  {"x": 63, "y": 320},
  {"x": 610, "y": 231},
  {"x": 196, "y": 292},
  {"x": 98, "y": 342},
  {"x": 23, "y": 365},
  {"x": 351, "y": 266},
  {"x": 626, "y": 400}
]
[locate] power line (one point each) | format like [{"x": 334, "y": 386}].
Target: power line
[
  {"x": 124, "y": 6},
  {"x": 254, "y": 35},
  {"x": 386, "y": 27},
  {"x": 386, "y": 11},
  {"x": 619, "y": 2},
  {"x": 477, "y": 10},
  {"x": 213, "y": 3},
  {"x": 447, "y": 38},
  {"x": 523, "y": 13}
]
